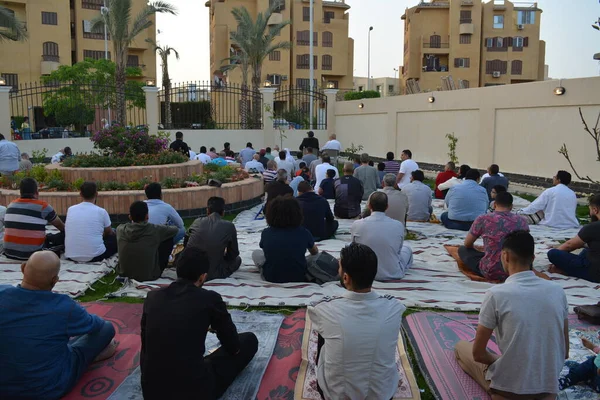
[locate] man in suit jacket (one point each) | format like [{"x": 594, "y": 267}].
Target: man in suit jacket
[{"x": 310, "y": 141}]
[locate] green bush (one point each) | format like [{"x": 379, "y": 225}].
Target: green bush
[
  {"x": 127, "y": 160},
  {"x": 367, "y": 94}
]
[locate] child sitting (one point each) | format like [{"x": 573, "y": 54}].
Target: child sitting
[
  {"x": 588, "y": 371},
  {"x": 327, "y": 188}
]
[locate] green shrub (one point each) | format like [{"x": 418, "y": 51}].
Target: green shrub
[
  {"x": 76, "y": 185},
  {"x": 57, "y": 183},
  {"x": 39, "y": 173},
  {"x": 127, "y": 160},
  {"x": 211, "y": 167},
  {"x": 367, "y": 94}
]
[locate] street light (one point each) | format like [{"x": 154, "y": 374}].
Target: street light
[
  {"x": 369, "y": 61},
  {"x": 395, "y": 71}
]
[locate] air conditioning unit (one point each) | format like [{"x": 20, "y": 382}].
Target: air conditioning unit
[
  {"x": 284, "y": 77},
  {"x": 496, "y": 74},
  {"x": 520, "y": 27}
]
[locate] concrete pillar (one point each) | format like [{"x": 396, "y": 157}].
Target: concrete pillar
[
  {"x": 268, "y": 94},
  {"x": 331, "y": 100},
  {"x": 152, "y": 109},
  {"x": 5, "y": 111}
]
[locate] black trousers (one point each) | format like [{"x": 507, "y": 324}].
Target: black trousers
[
  {"x": 225, "y": 367},
  {"x": 164, "y": 251},
  {"x": 471, "y": 258},
  {"x": 110, "y": 242},
  {"x": 330, "y": 229}
]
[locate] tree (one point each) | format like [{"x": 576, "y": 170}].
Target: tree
[
  {"x": 164, "y": 52},
  {"x": 123, "y": 31},
  {"x": 594, "y": 133},
  {"x": 14, "y": 29},
  {"x": 240, "y": 59}
]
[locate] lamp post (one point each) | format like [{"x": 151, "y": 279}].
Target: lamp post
[
  {"x": 104, "y": 12},
  {"x": 395, "y": 71},
  {"x": 369, "y": 61},
  {"x": 311, "y": 64}
]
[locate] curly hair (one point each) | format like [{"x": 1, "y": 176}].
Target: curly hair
[{"x": 284, "y": 212}]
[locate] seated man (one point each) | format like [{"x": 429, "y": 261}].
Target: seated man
[
  {"x": 254, "y": 165},
  {"x": 318, "y": 218},
  {"x": 217, "y": 238},
  {"x": 445, "y": 176},
  {"x": 246, "y": 154},
  {"x": 355, "y": 329},
  {"x": 586, "y": 264},
  {"x": 450, "y": 183},
  {"x": 25, "y": 223},
  {"x": 556, "y": 207},
  {"x": 89, "y": 236},
  {"x": 321, "y": 170},
  {"x": 270, "y": 173},
  {"x": 385, "y": 236},
  {"x": 202, "y": 156},
  {"x": 175, "y": 321},
  {"x": 47, "y": 340},
  {"x": 493, "y": 227},
  {"x": 348, "y": 194},
  {"x": 419, "y": 196},
  {"x": 367, "y": 176},
  {"x": 397, "y": 199},
  {"x": 465, "y": 203},
  {"x": 141, "y": 245},
  {"x": 495, "y": 191},
  {"x": 279, "y": 187},
  {"x": 284, "y": 163},
  {"x": 332, "y": 144},
  {"x": 161, "y": 213},
  {"x": 221, "y": 160},
  {"x": 494, "y": 178},
  {"x": 262, "y": 158},
  {"x": 327, "y": 188},
  {"x": 529, "y": 316}
]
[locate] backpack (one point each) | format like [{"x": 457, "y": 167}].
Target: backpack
[
  {"x": 323, "y": 268},
  {"x": 589, "y": 313}
]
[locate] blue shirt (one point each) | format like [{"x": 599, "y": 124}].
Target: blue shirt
[
  {"x": 328, "y": 187},
  {"x": 467, "y": 201},
  {"x": 284, "y": 253},
  {"x": 35, "y": 327},
  {"x": 246, "y": 155},
  {"x": 219, "y": 161},
  {"x": 161, "y": 213}
]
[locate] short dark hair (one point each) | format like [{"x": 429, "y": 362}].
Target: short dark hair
[
  {"x": 216, "y": 205},
  {"x": 381, "y": 166},
  {"x": 331, "y": 173},
  {"x": 138, "y": 211},
  {"x": 594, "y": 200},
  {"x": 309, "y": 149},
  {"x": 268, "y": 149},
  {"x": 499, "y": 188},
  {"x": 226, "y": 145},
  {"x": 178, "y": 135},
  {"x": 408, "y": 153},
  {"x": 463, "y": 170},
  {"x": 390, "y": 156},
  {"x": 26, "y": 119},
  {"x": 302, "y": 164},
  {"x": 473, "y": 174},
  {"x": 153, "y": 191},
  {"x": 326, "y": 159},
  {"x": 359, "y": 261},
  {"x": 452, "y": 165},
  {"x": 284, "y": 212},
  {"x": 311, "y": 134},
  {"x": 213, "y": 149},
  {"x": 418, "y": 175},
  {"x": 192, "y": 263},
  {"x": 68, "y": 151},
  {"x": 378, "y": 201},
  {"x": 202, "y": 149},
  {"x": 304, "y": 187},
  {"x": 282, "y": 155},
  {"x": 88, "y": 190},
  {"x": 563, "y": 177},
  {"x": 248, "y": 144},
  {"x": 504, "y": 199},
  {"x": 28, "y": 188},
  {"x": 521, "y": 245},
  {"x": 494, "y": 169}
]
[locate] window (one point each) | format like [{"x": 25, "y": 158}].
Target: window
[
  {"x": 302, "y": 39},
  {"x": 462, "y": 62},
  {"x": 360, "y": 88},
  {"x": 327, "y": 61},
  {"x": 315, "y": 38},
  {"x": 277, "y": 5},
  {"x": 517, "y": 43},
  {"x": 390, "y": 88},
  {"x": 465, "y": 39},
  {"x": 92, "y": 4},
  {"x": 525, "y": 17},
  {"x": 302, "y": 83},
  {"x": 465, "y": 17},
  {"x": 133, "y": 61},
  {"x": 49, "y": 18},
  {"x": 328, "y": 16},
  {"x": 4, "y": 24},
  {"x": 378, "y": 88},
  {"x": 12, "y": 80},
  {"x": 327, "y": 39},
  {"x": 498, "y": 21},
  {"x": 275, "y": 55},
  {"x": 516, "y": 67},
  {"x": 465, "y": 84},
  {"x": 303, "y": 61},
  {"x": 496, "y": 66},
  {"x": 497, "y": 44},
  {"x": 274, "y": 79},
  {"x": 305, "y": 13},
  {"x": 50, "y": 51},
  {"x": 94, "y": 54},
  {"x": 435, "y": 41}
]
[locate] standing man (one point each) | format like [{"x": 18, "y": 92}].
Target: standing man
[
  {"x": 179, "y": 145},
  {"x": 391, "y": 165},
  {"x": 348, "y": 193},
  {"x": 309, "y": 157},
  {"x": 9, "y": 157},
  {"x": 367, "y": 176},
  {"x": 268, "y": 154},
  {"x": 26, "y": 129},
  {"x": 406, "y": 168},
  {"x": 246, "y": 154},
  {"x": 310, "y": 141},
  {"x": 531, "y": 363}
]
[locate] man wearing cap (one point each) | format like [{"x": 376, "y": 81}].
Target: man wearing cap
[{"x": 310, "y": 141}]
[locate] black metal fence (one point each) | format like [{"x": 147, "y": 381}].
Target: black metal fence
[
  {"x": 210, "y": 105},
  {"x": 61, "y": 110},
  {"x": 292, "y": 108}
]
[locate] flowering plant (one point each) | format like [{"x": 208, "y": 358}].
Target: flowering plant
[{"x": 117, "y": 140}]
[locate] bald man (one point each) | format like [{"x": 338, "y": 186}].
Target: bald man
[{"x": 37, "y": 358}]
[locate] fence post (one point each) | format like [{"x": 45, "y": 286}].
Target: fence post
[
  {"x": 331, "y": 99},
  {"x": 5, "y": 111},
  {"x": 152, "y": 110},
  {"x": 268, "y": 94}
]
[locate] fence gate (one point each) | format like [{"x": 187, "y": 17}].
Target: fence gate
[{"x": 291, "y": 108}]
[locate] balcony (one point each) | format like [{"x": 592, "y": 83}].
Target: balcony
[
  {"x": 49, "y": 64},
  {"x": 466, "y": 28},
  {"x": 276, "y": 18},
  {"x": 466, "y": 3}
]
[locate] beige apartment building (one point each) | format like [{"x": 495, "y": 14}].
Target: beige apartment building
[
  {"x": 477, "y": 43},
  {"x": 333, "y": 49},
  {"x": 385, "y": 86},
  {"x": 60, "y": 34}
]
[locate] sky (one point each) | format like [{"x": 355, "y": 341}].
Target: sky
[{"x": 570, "y": 40}]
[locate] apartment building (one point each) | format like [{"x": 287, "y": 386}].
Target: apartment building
[
  {"x": 385, "y": 86},
  {"x": 333, "y": 49},
  {"x": 60, "y": 34},
  {"x": 477, "y": 43}
]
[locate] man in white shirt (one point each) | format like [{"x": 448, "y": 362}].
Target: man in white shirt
[
  {"x": 321, "y": 170},
  {"x": 60, "y": 156},
  {"x": 530, "y": 318},
  {"x": 283, "y": 163},
  {"x": 559, "y": 205},
  {"x": 255, "y": 165},
  {"x": 332, "y": 144},
  {"x": 386, "y": 237},
  {"x": 202, "y": 156},
  {"x": 406, "y": 168},
  {"x": 9, "y": 156},
  {"x": 358, "y": 333},
  {"x": 88, "y": 233},
  {"x": 420, "y": 197}
]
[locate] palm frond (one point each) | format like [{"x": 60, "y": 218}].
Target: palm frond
[
  {"x": 15, "y": 30},
  {"x": 163, "y": 7},
  {"x": 170, "y": 49}
]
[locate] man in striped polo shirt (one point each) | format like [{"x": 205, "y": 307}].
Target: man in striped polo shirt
[{"x": 25, "y": 222}]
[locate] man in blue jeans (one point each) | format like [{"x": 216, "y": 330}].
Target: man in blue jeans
[
  {"x": 47, "y": 340},
  {"x": 465, "y": 203},
  {"x": 586, "y": 264}
]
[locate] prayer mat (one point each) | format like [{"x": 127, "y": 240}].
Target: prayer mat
[
  {"x": 433, "y": 337},
  {"x": 306, "y": 383}
]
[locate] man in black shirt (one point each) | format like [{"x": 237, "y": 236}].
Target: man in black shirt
[
  {"x": 279, "y": 187},
  {"x": 227, "y": 150},
  {"x": 175, "y": 322},
  {"x": 310, "y": 141},
  {"x": 318, "y": 218},
  {"x": 348, "y": 194},
  {"x": 179, "y": 145}
]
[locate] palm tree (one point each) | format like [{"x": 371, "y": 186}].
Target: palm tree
[
  {"x": 123, "y": 29},
  {"x": 240, "y": 59},
  {"x": 164, "y": 52},
  {"x": 15, "y": 30}
]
